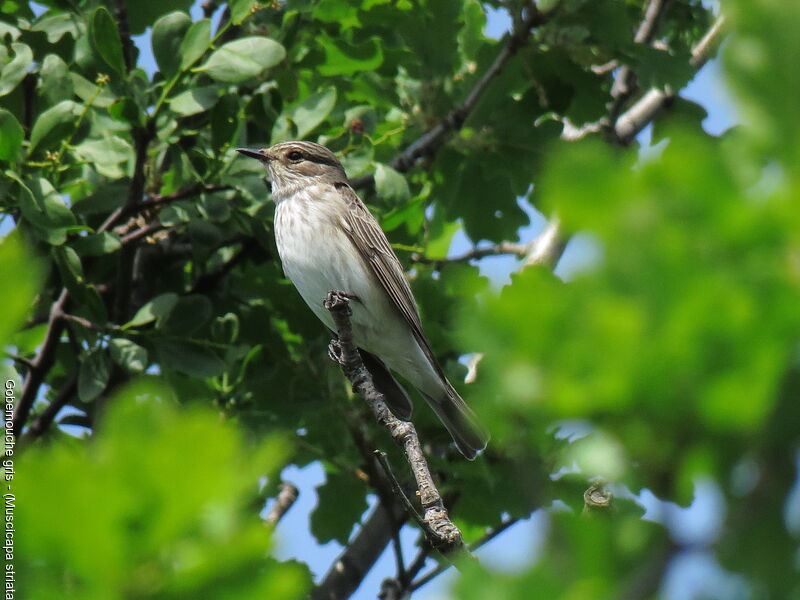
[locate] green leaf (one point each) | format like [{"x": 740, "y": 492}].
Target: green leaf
[
  {"x": 390, "y": 184},
  {"x": 15, "y": 71},
  {"x": 93, "y": 374},
  {"x": 166, "y": 39},
  {"x": 225, "y": 329},
  {"x": 342, "y": 501},
  {"x": 43, "y": 206},
  {"x": 189, "y": 358},
  {"x": 11, "y": 135},
  {"x": 92, "y": 93},
  {"x": 105, "y": 40},
  {"x": 195, "y": 43},
  {"x": 97, "y": 244},
  {"x": 158, "y": 308},
  {"x": 313, "y": 110},
  {"x": 55, "y": 83},
  {"x": 243, "y": 59},
  {"x": 144, "y": 13},
  {"x": 56, "y": 25},
  {"x": 189, "y": 313},
  {"x": 240, "y": 10},
  {"x": 341, "y": 59},
  {"x": 130, "y": 356},
  {"x": 18, "y": 266},
  {"x": 106, "y": 155},
  {"x": 54, "y": 124},
  {"x": 195, "y": 100}
]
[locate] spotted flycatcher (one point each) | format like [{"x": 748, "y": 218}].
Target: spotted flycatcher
[{"x": 328, "y": 240}]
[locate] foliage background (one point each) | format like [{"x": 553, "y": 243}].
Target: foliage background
[{"x": 145, "y": 309}]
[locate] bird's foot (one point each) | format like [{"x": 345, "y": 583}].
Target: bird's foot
[
  {"x": 335, "y": 351},
  {"x": 337, "y": 299}
]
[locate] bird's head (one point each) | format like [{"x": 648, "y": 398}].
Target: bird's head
[{"x": 298, "y": 163}]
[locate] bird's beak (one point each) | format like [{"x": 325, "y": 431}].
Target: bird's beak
[{"x": 257, "y": 154}]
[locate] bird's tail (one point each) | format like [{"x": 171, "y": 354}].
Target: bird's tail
[{"x": 467, "y": 432}]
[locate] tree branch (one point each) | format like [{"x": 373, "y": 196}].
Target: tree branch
[
  {"x": 355, "y": 561},
  {"x": 287, "y": 496},
  {"x": 625, "y": 81},
  {"x": 124, "y": 32},
  {"x": 43, "y": 421},
  {"x": 645, "y": 109},
  {"x": 546, "y": 248},
  {"x": 42, "y": 363},
  {"x": 438, "y": 570},
  {"x": 429, "y": 142},
  {"x": 441, "y": 531}
]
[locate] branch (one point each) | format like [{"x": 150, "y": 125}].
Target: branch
[
  {"x": 286, "y": 498},
  {"x": 501, "y": 249},
  {"x": 625, "y": 81},
  {"x": 429, "y": 142},
  {"x": 441, "y": 531},
  {"x": 546, "y": 249},
  {"x": 488, "y": 537},
  {"x": 355, "y": 561},
  {"x": 645, "y": 109},
  {"x": 43, "y": 421},
  {"x": 42, "y": 363},
  {"x": 124, "y": 32}
]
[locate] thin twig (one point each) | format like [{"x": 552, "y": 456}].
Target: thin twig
[
  {"x": 546, "y": 249},
  {"x": 287, "y": 496},
  {"x": 625, "y": 80},
  {"x": 442, "y": 532},
  {"x": 646, "y": 108},
  {"x": 42, "y": 363},
  {"x": 429, "y": 142},
  {"x": 351, "y": 566},
  {"x": 441, "y": 568},
  {"x": 124, "y": 32},
  {"x": 43, "y": 421},
  {"x": 503, "y": 248}
]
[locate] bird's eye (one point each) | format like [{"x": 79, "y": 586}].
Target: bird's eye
[{"x": 295, "y": 155}]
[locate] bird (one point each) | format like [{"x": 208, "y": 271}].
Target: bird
[{"x": 328, "y": 240}]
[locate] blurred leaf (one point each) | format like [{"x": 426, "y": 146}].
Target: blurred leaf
[
  {"x": 189, "y": 358},
  {"x": 243, "y": 59},
  {"x": 93, "y": 375},
  {"x": 342, "y": 501},
  {"x": 17, "y": 266},
  {"x": 128, "y": 355},
  {"x": 11, "y": 135},
  {"x": 189, "y": 313},
  {"x": 167, "y": 38},
  {"x": 341, "y": 59},
  {"x": 97, "y": 244},
  {"x": 195, "y": 536},
  {"x": 157, "y": 308}
]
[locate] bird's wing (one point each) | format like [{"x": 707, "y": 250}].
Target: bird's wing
[{"x": 372, "y": 245}]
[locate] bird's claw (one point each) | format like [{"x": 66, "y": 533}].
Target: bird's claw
[
  {"x": 338, "y": 299},
  {"x": 335, "y": 351}
]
